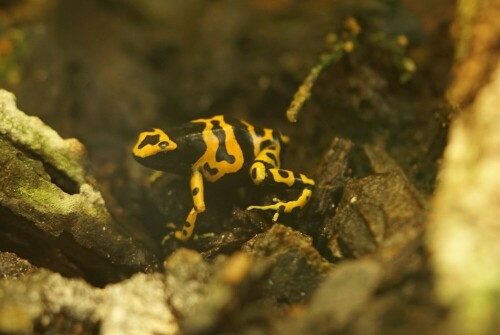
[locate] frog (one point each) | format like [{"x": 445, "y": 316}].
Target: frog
[{"x": 209, "y": 149}]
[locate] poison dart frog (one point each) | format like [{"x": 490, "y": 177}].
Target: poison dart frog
[{"x": 212, "y": 148}]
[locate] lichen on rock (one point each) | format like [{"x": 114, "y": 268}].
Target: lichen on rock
[
  {"x": 49, "y": 303},
  {"x": 50, "y": 209},
  {"x": 31, "y": 133}
]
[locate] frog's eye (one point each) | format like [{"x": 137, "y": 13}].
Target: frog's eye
[{"x": 163, "y": 144}]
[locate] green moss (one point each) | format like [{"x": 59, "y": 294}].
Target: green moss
[
  {"x": 38, "y": 138},
  {"x": 350, "y": 40}
]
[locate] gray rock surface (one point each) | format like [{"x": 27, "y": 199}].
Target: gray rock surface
[{"x": 47, "y": 302}]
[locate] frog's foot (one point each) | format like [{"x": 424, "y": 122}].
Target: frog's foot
[
  {"x": 278, "y": 207},
  {"x": 285, "y": 206}
]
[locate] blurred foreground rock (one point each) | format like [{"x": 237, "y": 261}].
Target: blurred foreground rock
[
  {"x": 465, "y": 228},
  {"x": 45, "y": 302},
  {"x": 387, "y": 293},
  {"x": 340, "y": 298},
  {"x": 245, "y": 292},
  {"x": 210, "y": 298},
  {"x": 50, "y": 210}
]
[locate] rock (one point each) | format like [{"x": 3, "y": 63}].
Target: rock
[
  {"x": 28, "y": 132},
  {"x": 48, "y": 303},
  {"x": 354, "y": 200},
  {"x": 376, "y": 211},
  {"x": 339, "y": 299},
  {"x": 346, "y": 290},
  {"x": 50, "y": 210},
  {"x": 296, "y": 267},
  {"x": 278, "y": 268},
  {"x": 332, "y": 174},
  {"x": 193, "y": 292},
  {"x": 137, "y": 306},
  {"x": 212, "y": 297},
  {"x": 13, "y": 266},
  {"x": 384, "y": 293}
]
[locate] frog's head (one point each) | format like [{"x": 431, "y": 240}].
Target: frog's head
[{"x": 152, "y": 148}]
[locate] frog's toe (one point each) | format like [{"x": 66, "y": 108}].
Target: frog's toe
[
  {"x": 264, "y": 208},
  {"x": 166, "y": 238},
  {"x": 276, "y": 216},
  {"x": 171, "y": 226}
]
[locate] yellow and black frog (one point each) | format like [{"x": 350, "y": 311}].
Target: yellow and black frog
[{"x": 209, "y": 149}]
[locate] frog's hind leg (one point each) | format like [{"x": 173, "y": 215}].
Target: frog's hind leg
[{"x": 265, "y": 170}]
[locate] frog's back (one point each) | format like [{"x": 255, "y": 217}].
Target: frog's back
[
  {"x": 228, "y": 146},
  {"x": 223, "y": 145}
]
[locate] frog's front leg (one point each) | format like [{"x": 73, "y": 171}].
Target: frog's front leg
[
  {"x": 265, "y": 170},
  {"x": 199, "y": 206}
]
